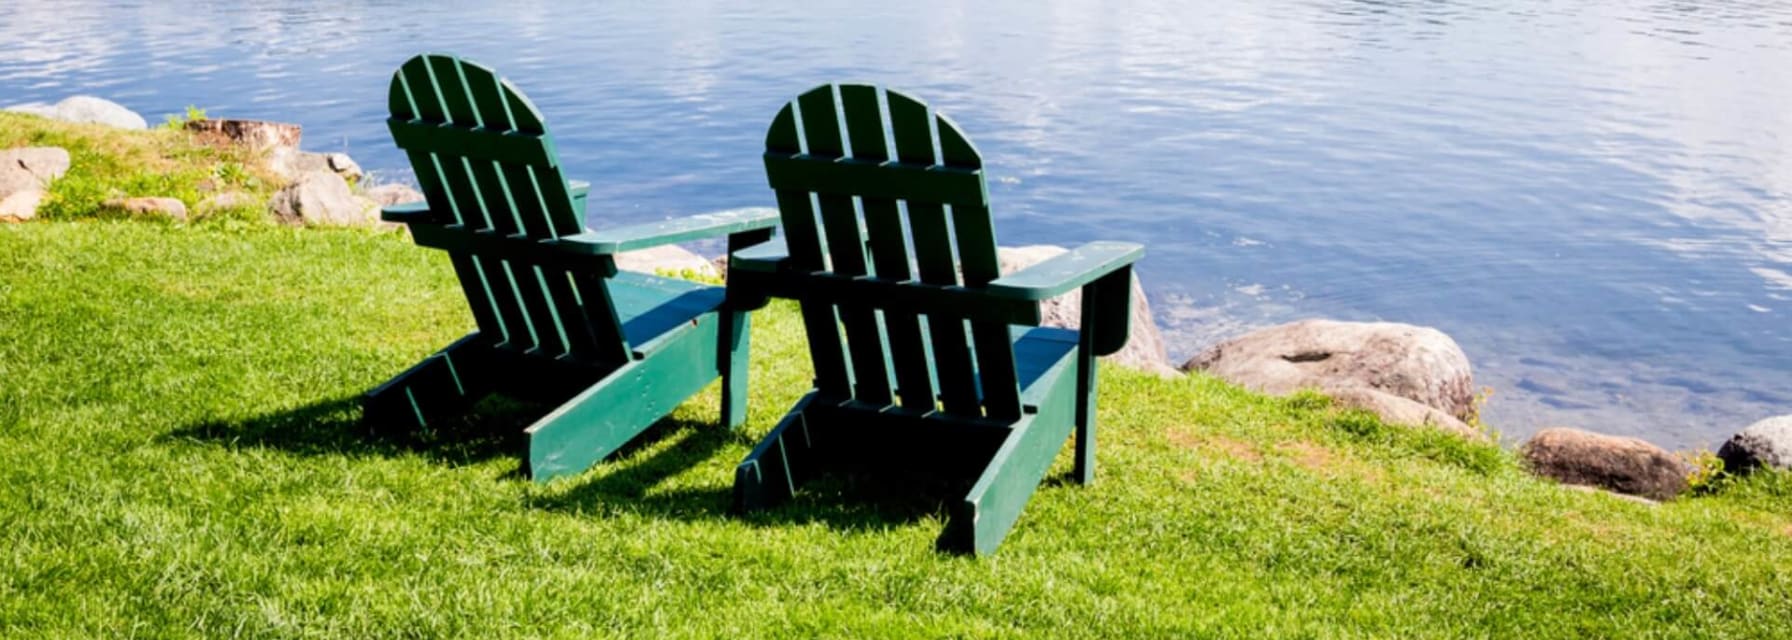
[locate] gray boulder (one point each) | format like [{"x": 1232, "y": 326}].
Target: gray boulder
[
  {"x": 293, "y": 164},
  {"x": 1767, "y": 443},
  {"x": 86, "y": 109},
  {"x": 31, "y": 168},
  {"x": 387, "y": 195},
  {"x": 20, "y": 206},
  {"x": 1417, "y": 363},
  {"x": 322, "y": 198},
  {"x": 1394, "y": 409},
  {"x": 168, "y": 208},
  {"x": 665, "y": 259},
  {"x": 1144, "y": 349},
  {"x": 1625, "y": 465}
]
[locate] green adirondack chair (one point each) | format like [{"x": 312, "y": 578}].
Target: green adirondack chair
[
  {"x": 557, "y": 322},
  {"x": 892, "y": 256}
]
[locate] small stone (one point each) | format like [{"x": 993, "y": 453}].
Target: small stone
[
  {"x": 344, "y": 166},
  {"x": 387, "y": 195},
  {"x": 1767, "y": 443},
  {"x": 322, "y": 198},
  {"x": 1625, "y": 465},
  {"x": 170, "y": 208},
  {"x": 20, "y": 206}
]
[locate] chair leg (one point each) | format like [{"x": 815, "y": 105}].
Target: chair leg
[
  {"x": 445, "y": 383},
  {"x": 770, "y": 474},
  {"x": 989, "y": 511},
  {"x": 1084, "y": 472},
  {"x": 736, "y": 333}
]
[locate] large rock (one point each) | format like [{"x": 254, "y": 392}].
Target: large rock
[
  {"x": 168, "y": 208},
  {"x": 1767, "y": 443},
  {"x": 20, "y": 206},
  {"x": 387, "y": 195},
  {"x": 1394, "y": 409},
  {"x": 322, "y": 198},
  {"x": 293, "y": 164},
  {"x": 1417, "y": 363},
  {"x": 1144, "y": 349},
  {"x": 86, "y": 109},
  {"x": 666, "y": 259},
  {"x": 258, "y": 135},
  {"x": 1624, "y": 465},
  {"x": 30, "y": 169}
]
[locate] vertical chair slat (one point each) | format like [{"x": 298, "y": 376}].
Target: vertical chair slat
[
  {"x": 807, "y": 252},
  {"x": 840, "y": 223},
  {"x": 909, "y": 126},
  {"x": 433, "y": 106},
  {"x": 976, "y": 236},
  {"x": 889, "y": 251}
]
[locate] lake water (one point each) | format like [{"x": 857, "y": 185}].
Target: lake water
[{"x": 1593, "y": 196}]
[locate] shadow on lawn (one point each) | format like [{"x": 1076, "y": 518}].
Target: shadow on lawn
[
  {"x": 849, "y": 502},
  {"x": 334, "y": 427},
  {"x": 624, "y": 481}
]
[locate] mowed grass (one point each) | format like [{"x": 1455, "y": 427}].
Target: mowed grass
[{"x": 180, "y": 457}]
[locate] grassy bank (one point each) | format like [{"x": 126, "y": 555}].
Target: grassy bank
[
  {"x": 179, "y": 457},
  {"x": 164, "y": 162}
]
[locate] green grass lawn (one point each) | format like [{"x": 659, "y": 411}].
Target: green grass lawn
[{"x": 179, "y": 455}]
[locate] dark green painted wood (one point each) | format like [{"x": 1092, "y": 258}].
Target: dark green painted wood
[
  {"x": 1006, "y": 406},
  {"x": 802, "y": 236},
  {"x": 1064, "y": 272},
  {"x": 846, "y": 253},
  {"x": 676, "y": 230},
  {"x": 443, "y": 384},
  {"x": 876, "y": 179},
  {"x": 910, "y": 128},
  {"x": 991, "y": 507},
  {"x": 600, "y": 420},
  {"x": 888, "y": 243},
  {"x": 942, "y": 302},
  {"x": 557, "y": 322}
]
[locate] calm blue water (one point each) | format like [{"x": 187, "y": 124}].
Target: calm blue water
[{"x": 1593, "y": 196}]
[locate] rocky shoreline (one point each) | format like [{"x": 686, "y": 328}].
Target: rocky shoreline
[{"x": 1405, "y": 374}]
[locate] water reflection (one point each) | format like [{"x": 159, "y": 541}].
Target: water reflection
[{"x": 1595, "y": 197}]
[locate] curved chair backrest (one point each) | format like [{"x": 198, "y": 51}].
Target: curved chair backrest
[
  {"x": 488, "y": 170},
  {"x": 884, "y": 163}
]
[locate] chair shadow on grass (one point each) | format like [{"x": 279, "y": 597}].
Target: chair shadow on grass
[
  {"x": 624, "y": 481},
  {"x": 493, "y": 429}
]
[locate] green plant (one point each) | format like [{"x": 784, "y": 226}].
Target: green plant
[
  {"x": 173, "y": 121},
  {"x": 1707, "y": 475}
]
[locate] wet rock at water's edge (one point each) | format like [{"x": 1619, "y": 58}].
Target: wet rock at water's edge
[
  {"x": 86, "y": 109},
  {"x": 1767, "y": 443},
  {"x": 1420, "y": 364},
  {"x": 1624, "y": 465}
]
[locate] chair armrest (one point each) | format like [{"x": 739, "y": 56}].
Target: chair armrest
[
  {"x": 579, "y": 189},
  {"x": 1069, "y": 270},
  {"x": 406, "y": 213},
  {"x": 653, "y": 234}
]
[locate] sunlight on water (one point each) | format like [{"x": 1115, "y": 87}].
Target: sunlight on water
[{"x": 1594, "y": 197}]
